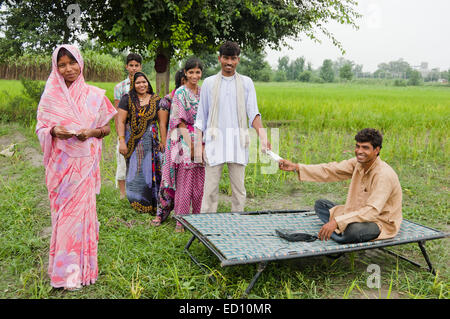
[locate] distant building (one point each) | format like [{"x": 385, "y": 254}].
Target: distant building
[{"x": 422, "y": 68}]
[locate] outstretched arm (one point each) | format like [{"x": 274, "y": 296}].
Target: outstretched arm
[
  {"x": 327, "y": 172},
  {"x": 261, "y": 131}
]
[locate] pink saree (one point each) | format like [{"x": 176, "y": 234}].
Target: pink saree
[{"x": 72, "y": 173}]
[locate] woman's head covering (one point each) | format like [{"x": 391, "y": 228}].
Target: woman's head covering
[
  {"x": 75, "y": 107},
  {"x": 79, "y": 85},
  {"x": 56, "y": 87}
]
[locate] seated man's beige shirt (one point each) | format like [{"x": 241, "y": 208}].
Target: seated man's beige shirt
[{"x": 373, "y": 196}]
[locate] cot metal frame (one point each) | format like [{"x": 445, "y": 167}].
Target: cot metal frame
[{"x": 263, "y": 262}]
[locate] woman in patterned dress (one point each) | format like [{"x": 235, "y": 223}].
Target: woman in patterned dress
[
  {"x": 72, "y": 119},
  {"x": 167, "y": 195},
  {"x": 139, "y": 143},
  {"x": 180, "y": 173}
]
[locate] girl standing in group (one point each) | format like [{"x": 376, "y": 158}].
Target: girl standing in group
[
  {"x": 72, "y": 119},
  {"x": 180, "y": 173},
  {"x": 166, "y": 194}
]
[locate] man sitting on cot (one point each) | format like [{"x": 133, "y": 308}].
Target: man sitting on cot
[{"x": 373, "y": 209}]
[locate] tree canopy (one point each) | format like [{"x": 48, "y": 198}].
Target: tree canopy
[
  {"x": 33, "y": 26},
  {"x": 175, "y": 27}
]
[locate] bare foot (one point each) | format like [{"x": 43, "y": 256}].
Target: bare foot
[
  {"x": 179, "y": 229},
  {"x": 156, "y": 222}
]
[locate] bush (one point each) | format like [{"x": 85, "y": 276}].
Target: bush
[
  {"x": 415, "y": 78},
  {"x": 400, "y": 82},
  {"x": 18, "y": 108},
  {"x": 280, "y": 76},
  {"x": 21, "y": 108},
  {"x": 316, "y": 79},
  {"x": 265, "y": 75},
  {"x": 305, "y": 76},
  {"x": 33, "y": 89}
]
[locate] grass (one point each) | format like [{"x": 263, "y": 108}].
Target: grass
[{"x": 315, "y": 123}]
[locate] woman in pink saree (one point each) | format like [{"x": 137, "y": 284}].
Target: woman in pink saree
[{"x": 72, "y": 119}]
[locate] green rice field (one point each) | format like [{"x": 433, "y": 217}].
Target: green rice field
[{"x": 307, "y": 123}]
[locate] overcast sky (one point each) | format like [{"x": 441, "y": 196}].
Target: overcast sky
[{"x": 415, "y": 30}]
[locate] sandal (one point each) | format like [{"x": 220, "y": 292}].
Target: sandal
[
  {"x": 179, "y": 228},
  {"x": 156, "y": 222}
]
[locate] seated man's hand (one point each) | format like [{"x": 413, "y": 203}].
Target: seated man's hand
[
  {"x": 287, "y": 166},
  {"x": 327, "y": 229}
]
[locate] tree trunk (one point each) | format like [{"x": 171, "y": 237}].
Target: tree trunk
[
  {"x": 162, "y": 67},
  {"x": 162, "y": 83}
]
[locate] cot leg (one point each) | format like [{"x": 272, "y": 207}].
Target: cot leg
[
  {"x": 424, "y": 253},
  {"x": 427, "y": 259},
  {"x": 261, "y": 267},
  {"x": 186, "y": 249}
]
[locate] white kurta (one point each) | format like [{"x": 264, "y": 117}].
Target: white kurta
[{"x": 226, "y": 147}]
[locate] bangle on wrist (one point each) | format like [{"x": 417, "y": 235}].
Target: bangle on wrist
[{"x": 121, "y": 138}]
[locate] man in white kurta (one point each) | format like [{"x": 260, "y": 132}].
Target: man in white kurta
[{"x": 225, "y": 136}]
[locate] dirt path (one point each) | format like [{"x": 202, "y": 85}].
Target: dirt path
[{"x": 30, "y": 154}]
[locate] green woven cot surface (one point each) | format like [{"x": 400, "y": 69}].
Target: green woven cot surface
[{"x": 240, "y": 237}]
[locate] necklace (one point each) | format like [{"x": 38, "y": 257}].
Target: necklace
[
  {"x": 143, "y": 98},
  {"x": 192, "y": 88}
]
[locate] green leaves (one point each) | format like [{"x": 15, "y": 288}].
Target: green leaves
[{"x": 175, "y": 28}]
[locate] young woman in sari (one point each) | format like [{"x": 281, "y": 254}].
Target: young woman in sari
[
  {"x": 167, "y": 195},
  {"x": 72, "y": 119},
  {"x": 139, "y": 143},
  {"x": 180, "y": 173}
]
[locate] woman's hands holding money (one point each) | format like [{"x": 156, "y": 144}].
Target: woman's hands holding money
[{"x": 62, "y": 133}]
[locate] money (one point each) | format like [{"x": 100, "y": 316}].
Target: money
[{"x": 273, "y": 156}]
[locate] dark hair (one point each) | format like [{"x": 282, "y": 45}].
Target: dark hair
[
  {"x": 178, "y": 77},
  {"x": 136, "y": 75},
  {"x": 64, "y": 52},
  {"x": 133, "y": 94},
  {"x": 370, "y": 135},
  {"x": 193, "y": 63},
  {"x": 134, "y": 57},
  {"x": 229, "y": 48}
]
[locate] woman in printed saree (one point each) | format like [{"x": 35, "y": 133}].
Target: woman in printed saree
[
  {"x": 180, "y": 173},
  {"x": 72, "y": 119},
  {"x": 139, "y": 143},
  {"x": 166, "y": 195}
]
